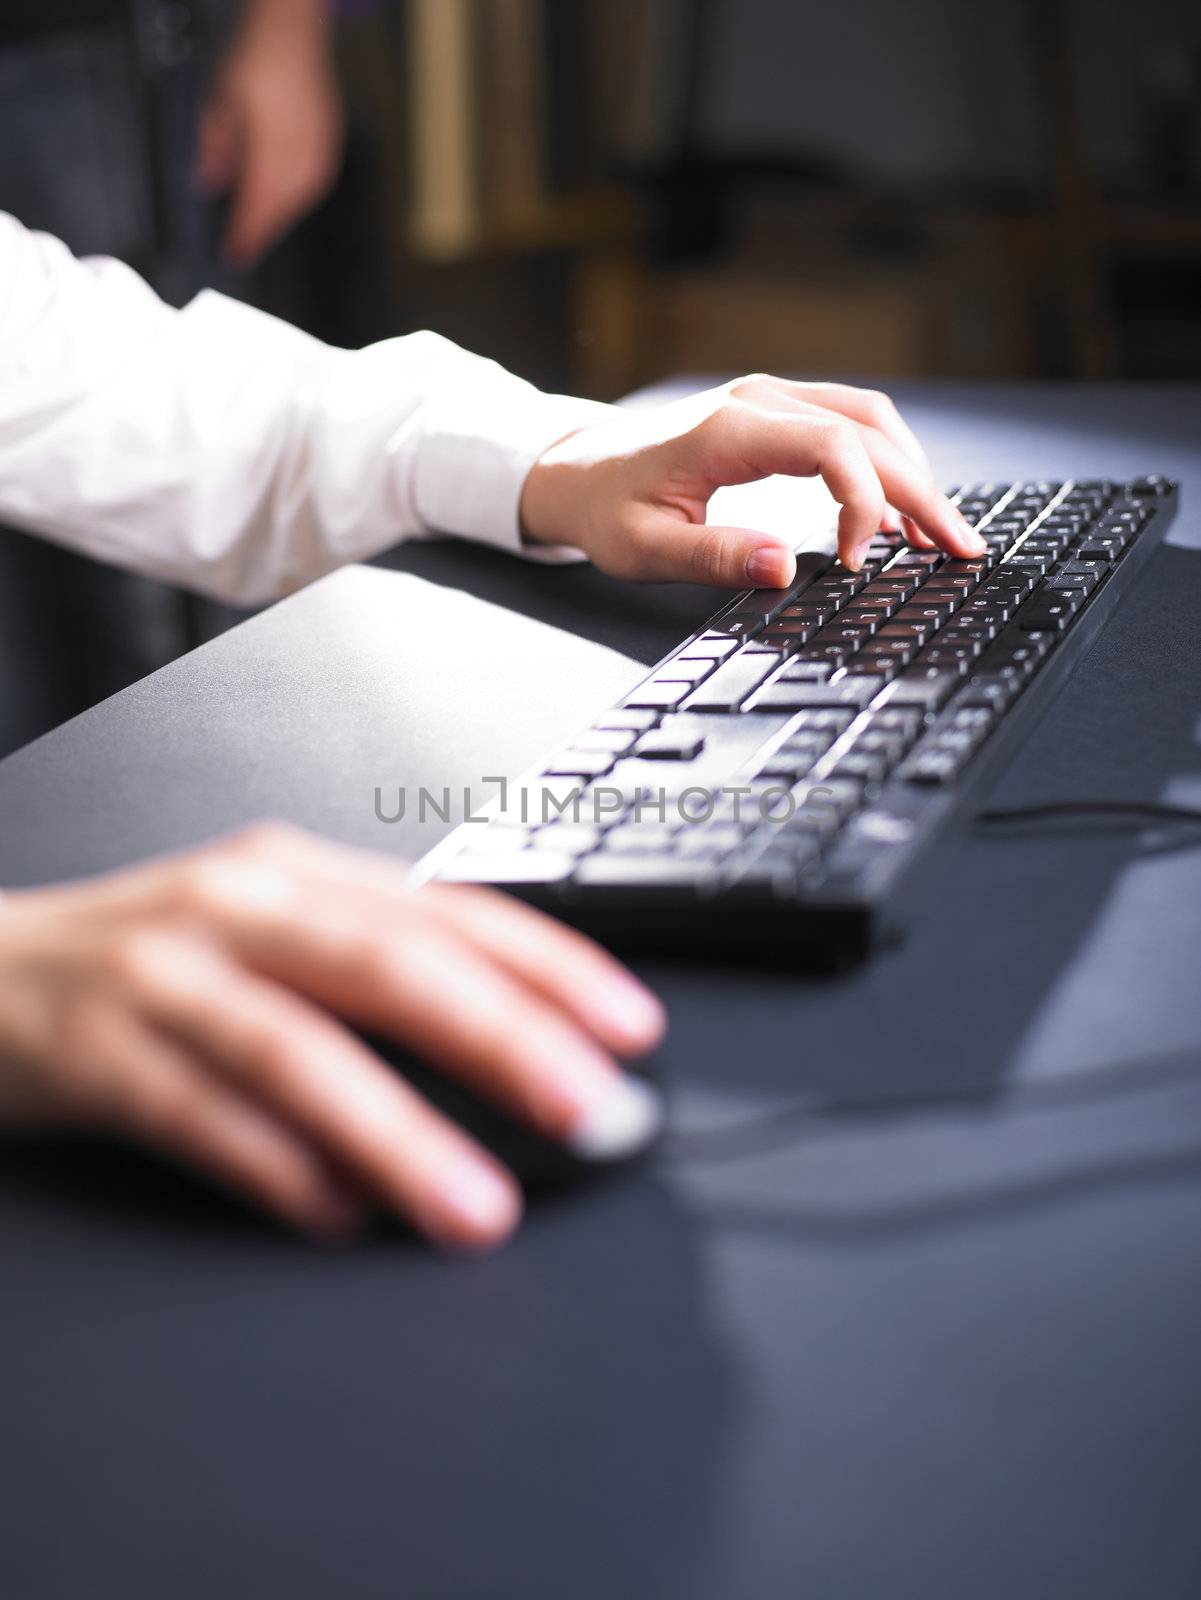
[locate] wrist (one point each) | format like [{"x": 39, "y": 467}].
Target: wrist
[
  {"x": 285, "y": 24},
  {"x": 550, "y": 486},
  {"x": 559, "y": 496}
]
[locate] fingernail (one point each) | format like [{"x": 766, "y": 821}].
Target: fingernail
[
  {"x": 765, "y": 567},
  {"x": 859, "y": 554},
  {"x": 483, "y": 1197},
  {"x": 629, "y": 1010},
  {"x": 617, "y": 1120}
]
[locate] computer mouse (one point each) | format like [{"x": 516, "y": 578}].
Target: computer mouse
[{"x": 540, "y": 1165}]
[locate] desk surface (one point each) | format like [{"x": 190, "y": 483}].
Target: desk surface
[{"x": 947, "y": 1350}]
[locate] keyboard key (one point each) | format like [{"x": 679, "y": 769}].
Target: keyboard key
[
  {"x": 783, "y": 695},
  {"x": 977, "y": 719},
  {"x": 852, "y": 690},
  {"x": 667, "y": 744},
  {"x": 569, "y": 838},
  {"x": 801, "y": 626},
  {"x": 917, "y": 558},
  {"x": 899, "y": 649},
  {"x": 878, "y": 742},
  {"x": 804, "y": 744},
  {"x": 608, "y": 869},
  {"x": 627, "y": 717},
  {"x": 579, "y": 764},
  {"x": 807, "y": 672},
  {"x": 682, "y": 669},
  {"x": 810, "y": 612},
  {"x": 760, "y": 605},
  {"x": 712, "y": 839},
  {"x": 865, "y": 765},
  {"x": 1050, "y": 615},
  {"x": 845, "y": 636},
  {"x": 902, "y": 722},
  {"x": 830, "y": 721},
  {"x": 835, "y": 654},
  {"x": 1099, "y": 549},
  {"x": 793, "y": 761},
  {"x": 871, "y": 617},
  {"x": 642, "y": 838},
  {"x": 928, "y": 687},
  {"x": 931, "y": 612},
  {"x": 1082, "y": 582},
  {"x": 994, "y": 693},
  {"x": 731, "y": 684},
  {"x": 716, "y": 645},
  {"x": 952, "y": 657},
  {"x": 524, "y": 867},
  {"x": 615, "y": 740},
  {"x": 661, "y": 695},
  {"x": 930, "y": 766},
  {"x": 740, "y": 627}
]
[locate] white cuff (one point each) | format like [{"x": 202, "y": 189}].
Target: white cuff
[{"x": 477, "y": 447}]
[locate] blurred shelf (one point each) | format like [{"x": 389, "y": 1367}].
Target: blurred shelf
[{"x": 560, "y": 222}]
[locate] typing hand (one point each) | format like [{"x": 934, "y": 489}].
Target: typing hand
[
  {"x": 632, "y": 492},
  {"x": 271, "y": 131},
  {"x": 194, "y": 1004}
]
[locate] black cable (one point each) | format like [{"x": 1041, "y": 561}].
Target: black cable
[
  {"x": 1137, "y": 810},
  {"x": 785, "y": 1124},
  {"x": 782, "y": 1125}
]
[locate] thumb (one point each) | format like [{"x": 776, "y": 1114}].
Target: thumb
[{"x": 670, "y": 549}]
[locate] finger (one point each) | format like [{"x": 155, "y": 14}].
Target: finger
[
  {"x": 569, "y": 970},
  {"x": 867, "y": 406},
  {"x": 908, "y": 487},
  {"x": 914, "y": 535},
  {"x": 454, "y": 1006},
  {"x": 927, "y": 508},
  {"x": 891, "y": 521},
  {"x": 268, "y": 199},
  {"x": 835, "y": 449},
  {"x": 293, "y": 910},
  {"x": 216, "y": 149},
  {"x": 160, "y": 1091},
  {"x": 302, "y": 1066},
  {"x": 573, "y": 972},
  {"x": 666, "y": 547},
  {"x": 739, "y": 443},
  {"x": 253, "y": 219}
]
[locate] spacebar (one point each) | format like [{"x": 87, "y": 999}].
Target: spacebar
[{"x": 609, "y": 868}]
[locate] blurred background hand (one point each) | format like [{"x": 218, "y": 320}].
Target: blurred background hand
[{"x": 271, "y": 132}]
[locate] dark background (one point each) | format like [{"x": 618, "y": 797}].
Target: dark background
[
  {"x": 1006, "y": 188},
  {"x": 600, "y": 193}
]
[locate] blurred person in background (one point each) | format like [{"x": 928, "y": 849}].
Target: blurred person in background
[{"x": 186, "y": 138}]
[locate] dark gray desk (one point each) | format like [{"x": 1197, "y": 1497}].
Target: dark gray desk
[{"x": 939, "y": 1352}]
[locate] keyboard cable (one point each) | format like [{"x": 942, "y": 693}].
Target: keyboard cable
[
  {"x": 789, "y": 1123},
  {"x": 1136, "y": 811}
]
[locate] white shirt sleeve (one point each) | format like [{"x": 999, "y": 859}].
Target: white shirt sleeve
[{"x": 219, "y": 448}]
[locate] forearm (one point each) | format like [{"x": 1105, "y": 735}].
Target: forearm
[{"x": 221, "y": 449}]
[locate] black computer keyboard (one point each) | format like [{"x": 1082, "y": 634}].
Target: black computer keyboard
[{"x": 771, "y": 783}]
